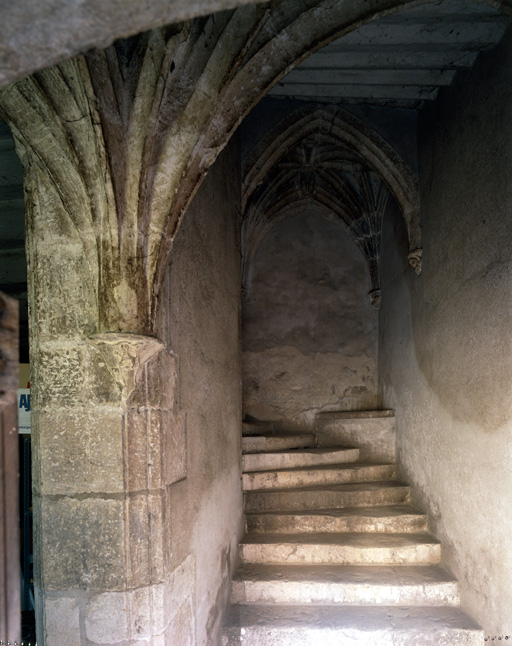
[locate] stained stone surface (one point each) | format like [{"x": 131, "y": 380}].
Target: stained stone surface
[
  {"x": 297, "y": 458},
  {"x": 398, "y": 518},
  {"x": 445, "y": 351},
  {"x": 331, "y": 474},
  {"x": 256, "y": 443},
  {"x": 309, "y": 331},
  {"x": 374, "y": 436},
  {"x": 368, "y": 574},
  {"x": 348, "y": 584},
  {"x": 61, "y": 620},
  {"x": 392, "y": 549},
  {"x": 327, "y": 497},
  {"x": 303, "y": 625},
  {"x": 201, "y": 325}
]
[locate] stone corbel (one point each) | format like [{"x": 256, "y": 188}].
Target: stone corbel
[
  {"x": 125, "y": 356},
  {"x": 414, "y": 258},
  {"x": 375, "y": 295}
]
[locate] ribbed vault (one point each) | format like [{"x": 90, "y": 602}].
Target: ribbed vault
[{"x": 328, "y": 159}]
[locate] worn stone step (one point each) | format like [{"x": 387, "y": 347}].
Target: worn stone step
[
  {"x": 391, "y": 519},
  {"x": 257, "y": 428},
  {"x": 345, "y": 584},
  {"x": 322, "y": 475},
  {"x": 264, "y": 443},
  {"x": 358, "y": 414},
  {"x": 298, "y": 458},
  {"x": 259, "y": 625},
  {"x": 363, "y": 494},
  {"x": 372, "y": 432},
  {"x": 342, "y": 549}
]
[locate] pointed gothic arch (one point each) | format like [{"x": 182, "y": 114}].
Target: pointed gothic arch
[{"x": 329, "y": 158}]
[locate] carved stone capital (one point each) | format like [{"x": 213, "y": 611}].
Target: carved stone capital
[
  {"x": 375, "y": 295},
  {"x": 125, "y": 355},
  {"x": 414, "y": 258}
]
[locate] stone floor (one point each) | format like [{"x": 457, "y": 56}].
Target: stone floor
[{"x": 335, "y": 553}]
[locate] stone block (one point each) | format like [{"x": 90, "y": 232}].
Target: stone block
[
  {"x": 157, "y": 386},
  {"x": 61, "y": 621},
  {"x": 81, "y": 451},
  {"x": 137, "y": 427},
  {"x": 156, "y": 442},
  {"x": 107, "y": 618},
  {"x": 63, "y": 305},
  {"x": 374, "y": 436},
  {"x": 181, "y": 630},
  {"x": 83, "y": 543},
  {"x": 147, "y": 533},
  {"x": 145, "y": 613},
  {"x": 169, "y": 596},
  {"x": 174, "y": 459},
  {"x": 73, "y": 372},
  {"x": 155, "y": 448}
]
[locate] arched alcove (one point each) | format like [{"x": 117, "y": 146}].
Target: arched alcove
[
  {"x": 329, "y": 159},
  {"x": 309, "y": 332}
]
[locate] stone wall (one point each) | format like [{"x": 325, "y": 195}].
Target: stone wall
[
  {"x": 309, "y": 329},
  {"x": 200, "y": 321},
  {"x": 445, "y": 353}
]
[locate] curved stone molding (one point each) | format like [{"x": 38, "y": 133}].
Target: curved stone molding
[
  {"x": 415, "y": 260},
  {"x": 125, "y": 356}
]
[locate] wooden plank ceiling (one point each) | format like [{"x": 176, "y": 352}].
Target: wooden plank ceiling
[{"x": 398, "y": 61}]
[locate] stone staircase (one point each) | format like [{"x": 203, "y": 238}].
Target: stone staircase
[{"x": 334, "y": 553}]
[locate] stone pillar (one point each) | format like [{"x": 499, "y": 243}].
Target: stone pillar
[
  {"x": 105, "y": 426},
  {"x": 108, "y": 438}
]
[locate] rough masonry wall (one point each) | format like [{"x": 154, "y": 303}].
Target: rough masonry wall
[
  {"x": 200, "y": 319},
  {"x": 309, "y": 330},
  {"x": 445, "y": 338}
]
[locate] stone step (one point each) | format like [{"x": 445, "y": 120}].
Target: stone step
[
  {"x": 345, "y": 584},
  {"x": 265, "y": 443},
  {"x": 373, "y": 433},
  {"x": 321, "y": 475},
  {"x": 358, "y": 414},
  {"x": 257, "y": 428},
  {"x": 392, "y": 519},
  {"x": 365, "y": 494},
  {"x": 259, "y": 625},
  {"x": 298, "y": 458},
  {"x": 341, "y": 549}
]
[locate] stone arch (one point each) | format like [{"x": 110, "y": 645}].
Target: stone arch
[{"x": 349, "y": 169}]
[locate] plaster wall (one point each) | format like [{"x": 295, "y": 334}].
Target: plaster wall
[
  {"x": 200, "y": 323},
  {"x": 309, "y": 330},
  {"x": 445, "y": 353}
]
